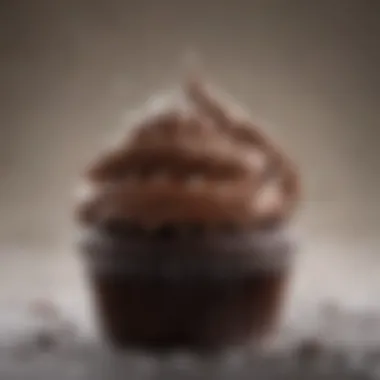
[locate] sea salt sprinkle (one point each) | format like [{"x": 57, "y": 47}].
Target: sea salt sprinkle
[{"x": 306, "y": 358}]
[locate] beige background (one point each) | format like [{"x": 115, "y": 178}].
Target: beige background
[{"x": 69, "y": 71}]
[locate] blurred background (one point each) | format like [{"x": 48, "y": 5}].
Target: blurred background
[{"x": 70, "y": 70}]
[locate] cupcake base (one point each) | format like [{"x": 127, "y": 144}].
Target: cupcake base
[
  {"x": 197, "y": 293},
  {"x": 158, "y": 314}
]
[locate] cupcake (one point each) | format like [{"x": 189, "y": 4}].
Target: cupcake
[{"x": 185, "y": 228}]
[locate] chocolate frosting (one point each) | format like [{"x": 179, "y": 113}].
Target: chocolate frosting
[{"x": 200, "y": 165}]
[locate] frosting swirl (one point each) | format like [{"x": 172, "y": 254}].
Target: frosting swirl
[{"x": 199, "y": 165}]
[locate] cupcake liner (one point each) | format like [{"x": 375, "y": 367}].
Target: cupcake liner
[{"x": 211, "y": 256}]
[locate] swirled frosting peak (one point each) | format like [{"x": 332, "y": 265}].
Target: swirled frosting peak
[{"x": 197, "y": 163}]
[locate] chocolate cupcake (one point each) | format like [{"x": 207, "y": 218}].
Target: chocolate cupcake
[{"x": 185, "y": 229}]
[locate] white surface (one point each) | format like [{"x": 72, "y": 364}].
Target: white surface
[{"x": 324, "y": 272}]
